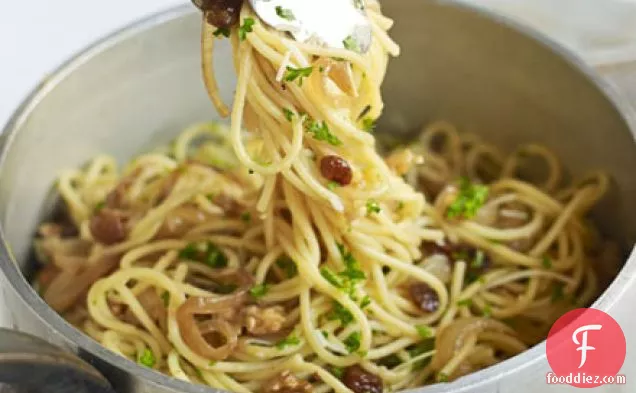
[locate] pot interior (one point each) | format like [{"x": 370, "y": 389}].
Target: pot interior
[{"x": 141, "y": 88}]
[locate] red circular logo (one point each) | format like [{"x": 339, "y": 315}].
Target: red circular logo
[{"x": 584, "y": 346}]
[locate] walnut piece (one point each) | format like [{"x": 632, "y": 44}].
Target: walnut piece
[
  {"x": 263, "y": 320},
  {"x": 286, "y": 382}
]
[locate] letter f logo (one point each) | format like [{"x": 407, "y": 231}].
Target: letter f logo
[{"x": 583, "y": 344}]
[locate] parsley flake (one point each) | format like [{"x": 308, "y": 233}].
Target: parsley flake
[
  {"x": 332, "y": 185},
  {"x": 352, "y": 44},
  {"x": 352, "y": 342},
  {"x": 165, "y": 296},
  {"x": 287, "y": 265},
  {"x": 222, "y": 31},
  {"x": 546, "y": 262},
  {"x": 368, "y": 124},
  {"x": 366, "y": 301},
  {"x": 331, "y": 277},
  {"x": 470, "y": 199},
  {"x": 320, "y": 131},
  {"x": 299, "y": 74},
  {"x": 147, "y": 358},
  {"x": 289, "y": 115},
  {"x": 285, "y": 13},
  {"x": 339, "y": 313},
  {"x": 487, "y": 311},
  {"x": 100, "y": 206},
  {"x": 245, "y": 28},
  {"x": 260, "y": 290},
  {"x": 464, "y": 302},
  {"x": 373, "y": 207},
  {"x": 478, "y": 262},
  {"x": 290, "y": 340},
  {"x": 424, "y": 331},
  {"x": 246, "y": 217},
  {"x": 207, "y": 253},
  {"x": 337, "y": 372}
]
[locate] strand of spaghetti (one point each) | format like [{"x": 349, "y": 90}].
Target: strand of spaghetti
[{"x": 207, "y": 66}]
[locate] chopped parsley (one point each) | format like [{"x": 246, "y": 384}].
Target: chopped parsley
[
  {"x": 441, "y": 377},
  {"x": 339, "y": 313},
  {"x": 366, "y": 301},
  {"x": 487, "y": 311},
  {"x": 165, "y": 296},
  {"x": 325, "y": 334},
  {"x": 245, "y": 28},
  {"x": 320, "y": 131},
  {"x": 352, "y": 44},
  {"x": 347, "y": 279},
  {"x": 373, "y": 207},
  {"x": 100, "y": 206},
  {"x": 557, "y": 292},
  {"x": 352, "y": 342},
  {"x": 287, "y": 265},
  {"x": 332, "y": 185},
  {"x": 285, "y": 13},
  {"x": 464, "y": 302},
  {"x": 478, "y": 262},
  {"x": 299, "y": 74},
  {"x": 390, "y": 361},
  {"x": 260, "y": 290},
  {"x": 288, "y": 341},
  {"x": 222, "y": 31},
  {"x": 424, "y": 331},
  {"x": 246, "y": 217},
  {"x": 470, "y": 199},
  {"x": 368, "y": 124},
  {"x": 359, "y": 4},
  {"x": 147, "y": 358},
  {"x": 337, "y": 372},
  {"x": 546, "y": 262},
  {"x": 207, "y": 253},
  {"x": 400, "y": 205},
  {"x": 331, "y": 277},
  {"x": 289, "y": 115}
]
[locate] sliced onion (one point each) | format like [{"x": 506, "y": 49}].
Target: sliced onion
[{"x": 67, "y": 287}]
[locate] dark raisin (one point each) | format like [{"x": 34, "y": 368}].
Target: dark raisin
[
  {"x": 220, "y": 13},
  {"x": 424, "y": 297},
  {"x": 108, "y": 227},
  {"x": 336, "y": 169},
  {"x": 361, "y": 381}
]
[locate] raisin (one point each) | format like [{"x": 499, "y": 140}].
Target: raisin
[
  {"x": 220, "y": 13},
  {"x": 108, "y": 227},
  {"x": 361, "y": 381},
  {"x": 336, "y": 169},
  {"x": 424, "y": 297}
]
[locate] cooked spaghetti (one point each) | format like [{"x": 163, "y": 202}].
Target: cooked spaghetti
[{"x": 284, "y": 254}]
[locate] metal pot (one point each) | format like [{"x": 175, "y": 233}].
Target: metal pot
[{"x": 138, "y": 87}]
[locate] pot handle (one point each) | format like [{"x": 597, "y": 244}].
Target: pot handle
[{"x": 31, "y": 365}]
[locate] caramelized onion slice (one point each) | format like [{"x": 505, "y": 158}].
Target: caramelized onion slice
[{"x": 67, "y": 287}]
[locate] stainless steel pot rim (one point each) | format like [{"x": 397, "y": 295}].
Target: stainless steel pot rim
[{"x": 606, "y": 302}]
